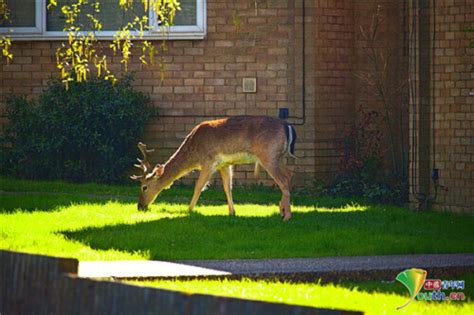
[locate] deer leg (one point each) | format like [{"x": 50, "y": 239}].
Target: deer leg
[
  {"x": 282, "y": 177},
  {"x": 226, "y": 174},
  {"x": 203, "y": 179},
  {"x": 288, "y": 174}
]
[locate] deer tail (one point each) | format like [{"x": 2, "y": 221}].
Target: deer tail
[{"x": 290, "y": 140}]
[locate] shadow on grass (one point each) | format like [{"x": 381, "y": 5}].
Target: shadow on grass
[
  {"x": 374, "y": 286},
  {"x": 375, "y": 231}
]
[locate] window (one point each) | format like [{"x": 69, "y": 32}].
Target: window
[
  {"x": 24, "y": 16},
  {"x": 29, "y": 19}
]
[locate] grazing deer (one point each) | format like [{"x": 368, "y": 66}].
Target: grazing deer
[{"x": 217, "y": 145}]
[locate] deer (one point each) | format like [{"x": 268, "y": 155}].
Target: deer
[{"x": 218, "y": 145}]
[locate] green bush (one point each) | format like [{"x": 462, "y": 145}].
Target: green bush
[
  {"x": 362, "y": 170},
  {"x": 85, "y": 133}
]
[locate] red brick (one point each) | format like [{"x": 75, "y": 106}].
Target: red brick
[
  {"x": 183, "y": 90},
  {"x": 194, "y": 82},
  {"x": 214, "y": 81}
]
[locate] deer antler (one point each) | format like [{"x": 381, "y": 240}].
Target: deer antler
[{"x": 144, "y": 163}]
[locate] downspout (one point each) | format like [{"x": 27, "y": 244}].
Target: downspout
[
  {"x": 303, "y": 68},
  {"x": 419, "y": 90}
]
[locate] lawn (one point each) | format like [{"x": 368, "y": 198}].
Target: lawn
[
  {"x": 371, "y": 297},
  {"x": 71, "y": 220},
  {"x": 101, "y": 222}
]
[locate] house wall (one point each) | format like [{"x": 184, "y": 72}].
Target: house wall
[
  {"x": 263, "y": 39},
  {"x": 333, "y": 82},
  {"x": 453, "y": 151},
  {"x": 260, "y": 39}
]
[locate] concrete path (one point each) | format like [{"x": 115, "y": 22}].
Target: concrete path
[
  {"x": 143, "y": 269},
  {"x": 251, "y": 267}
]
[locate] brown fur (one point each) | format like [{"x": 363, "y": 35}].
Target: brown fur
[{"x": 217, "y": 145}]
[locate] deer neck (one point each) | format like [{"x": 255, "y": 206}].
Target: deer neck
[{"x": 177, "y": 166}]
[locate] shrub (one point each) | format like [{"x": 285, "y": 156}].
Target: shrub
[
  {"x": 362, "y": 169},
  {"x": 85, "y": 133}
]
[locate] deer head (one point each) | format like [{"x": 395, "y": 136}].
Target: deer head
[{"x": 149, "y": 187}]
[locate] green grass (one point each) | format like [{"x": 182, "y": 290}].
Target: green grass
[
  {"x": 71, "y": 220},
  {"x": 371, "y": 297},
  {"x": 86, "y": 222}
]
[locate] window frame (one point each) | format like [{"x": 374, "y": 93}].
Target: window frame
[
  {"x": 39, "y": 32},
  {"x": 37, "y": 29}
]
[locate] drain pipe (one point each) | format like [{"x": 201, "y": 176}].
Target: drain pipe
[
  {"x": 283, "y": 112},
  {"x": 424, "y": 198}
]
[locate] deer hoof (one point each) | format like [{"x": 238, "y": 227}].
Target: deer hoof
[
  {"x": 142, "y": 208},
  {"x": 287, "y": 217}
]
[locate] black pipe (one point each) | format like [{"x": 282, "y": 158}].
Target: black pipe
[
  {"x": 303, "y": 66},
  {"x": 413, "y": 91},
  {"x": 424, "y": 199}
]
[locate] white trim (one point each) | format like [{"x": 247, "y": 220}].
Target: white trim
[
  {"x": 185, "y": 31},
  {"x": 37, "y": 29},
  {"x": 39, "y": 32}
]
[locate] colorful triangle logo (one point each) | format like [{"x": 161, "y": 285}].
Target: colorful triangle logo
[{"x": 413, "y": 279}]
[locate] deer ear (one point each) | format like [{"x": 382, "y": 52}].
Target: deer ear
[{"x": 158, "y": 170}]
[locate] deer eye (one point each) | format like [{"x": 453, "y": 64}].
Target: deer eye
[{"x": 144, "y": 188}]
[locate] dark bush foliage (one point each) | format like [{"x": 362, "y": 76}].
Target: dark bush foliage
[
  {"x": 362, "y": 170},
  {"x": 85, "y": 133}
]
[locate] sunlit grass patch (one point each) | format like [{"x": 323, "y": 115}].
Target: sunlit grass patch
[
  {"x": 370, "y": 297},
  {"x": 75, "y": 221},
  {"x": 350, "y": 207}
]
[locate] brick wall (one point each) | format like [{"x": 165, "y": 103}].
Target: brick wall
[
  {"x": 453, "y": 151},
  {"x": 263, "y": 39},
  {"x": 341, "y": 54},
  {"x": 333, "y": 81},
  {"x": 454, "y": 107},
  {"x": 263, "y": 47},
  {"x": 204, "y": 77},
  {"x": 389, "y": 72}
]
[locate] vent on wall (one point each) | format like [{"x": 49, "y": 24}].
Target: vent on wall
[{"x": 249, "y": 85}]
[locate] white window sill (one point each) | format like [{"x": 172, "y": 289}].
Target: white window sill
[{"x": 176, "y": 33}]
